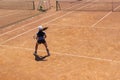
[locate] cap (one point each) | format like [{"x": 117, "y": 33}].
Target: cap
[{"x": 40, "y": 27}]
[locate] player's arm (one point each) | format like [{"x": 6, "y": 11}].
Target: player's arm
[{"x": 45, "y": 36}]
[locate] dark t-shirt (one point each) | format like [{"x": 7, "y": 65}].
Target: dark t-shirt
[{"x": 40, "y": 35}]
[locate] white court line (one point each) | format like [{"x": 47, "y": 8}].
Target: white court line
[
  {"x": 64, "y": 54},
  {"x": 101, "y": 19},
  {"x": 104, "y": 17},
  {"x": 36, "y": 27},
  {"x": 71, "y": 26},
  {"x": 33, "y": 22}
]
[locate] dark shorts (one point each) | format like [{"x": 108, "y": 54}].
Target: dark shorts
[{"x": 41, "y": 41}]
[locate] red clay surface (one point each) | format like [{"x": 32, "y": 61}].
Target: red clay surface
[{"x": 83, "y": 46}]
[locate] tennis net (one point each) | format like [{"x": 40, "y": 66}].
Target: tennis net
[
  {"x": 17, "y": 5},
  {"x": 88, "y": 5}
]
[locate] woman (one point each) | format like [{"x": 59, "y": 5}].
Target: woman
[{"x": 40, "y": 37}]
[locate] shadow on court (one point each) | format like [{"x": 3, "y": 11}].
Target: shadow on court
[{"x": 40, "y": 58}]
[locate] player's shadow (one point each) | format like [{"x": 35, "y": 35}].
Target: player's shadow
[{"x": 40, "y": 58}]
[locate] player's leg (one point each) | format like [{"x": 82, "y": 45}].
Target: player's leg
[
  {"x": 45, "y": 44},
  {"x": 36, "y": 48}
]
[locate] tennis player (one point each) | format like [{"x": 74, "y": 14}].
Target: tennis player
[{"x": 40, "y": 37}]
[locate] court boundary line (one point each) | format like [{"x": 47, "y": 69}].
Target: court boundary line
[
  {"x": 69, "y": 26},
  {"x": 65, "y": 54},
  {"x": 41, "y": 24},
  {"x": 101, "y": 19},
  {"x": 104, "y": 17},
  {"x": 33, "y": 22}
]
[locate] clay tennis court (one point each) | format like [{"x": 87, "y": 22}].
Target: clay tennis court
[{"x": 83, "y": 46}]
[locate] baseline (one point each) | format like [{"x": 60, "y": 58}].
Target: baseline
[{"x": 64, "y": 54}]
